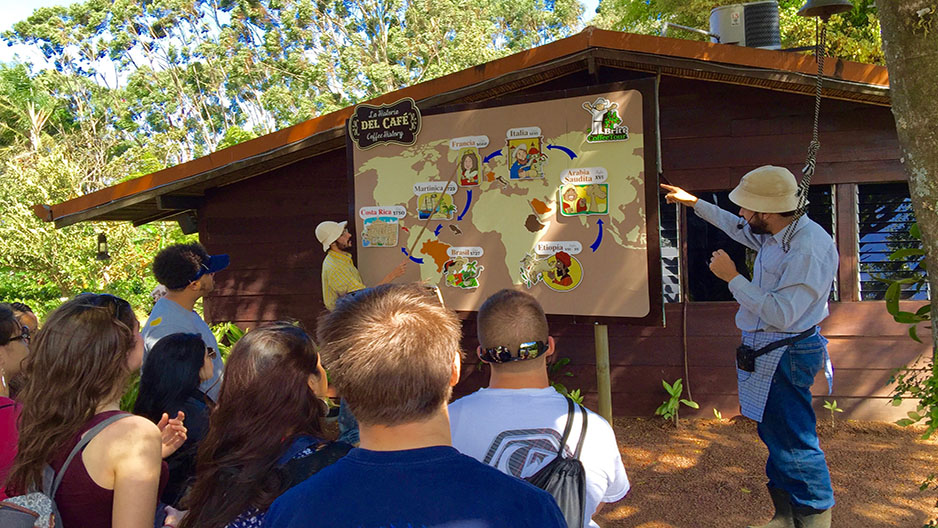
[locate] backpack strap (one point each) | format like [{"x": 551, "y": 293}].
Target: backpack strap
[
  {"x": 579, "y": 444},
  {"x": 82, "y": 442},
  {"x": 566, "y": 430}
]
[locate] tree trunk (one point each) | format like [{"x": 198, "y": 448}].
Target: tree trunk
[{"x": 910, "y": 43}]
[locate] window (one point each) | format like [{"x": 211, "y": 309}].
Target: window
[
  {"x": 703, "y": 239},
  {"x": 670, "y": 251},
  {"x": 884, "y": 217}
]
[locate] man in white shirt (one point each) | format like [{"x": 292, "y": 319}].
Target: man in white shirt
[{"x": 516, "y": 423}]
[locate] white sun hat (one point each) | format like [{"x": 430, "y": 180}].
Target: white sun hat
[
  {"x": 328, "y": 232},
  {"x": 768, "y": 189}
]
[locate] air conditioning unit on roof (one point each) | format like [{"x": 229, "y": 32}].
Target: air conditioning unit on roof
[{"x": 754, "y": 25}]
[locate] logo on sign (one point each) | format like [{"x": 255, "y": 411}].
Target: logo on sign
[{"x": 398, "y": 122}]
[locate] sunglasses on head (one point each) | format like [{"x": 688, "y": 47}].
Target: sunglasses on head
[
  {"x": 105, "y": 300},
  {"x": 24, "y": 335}
]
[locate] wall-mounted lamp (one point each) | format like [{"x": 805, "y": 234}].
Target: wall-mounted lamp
[
  {"x": 824, "y": 8},
  {"x": 102, "y": 247}
]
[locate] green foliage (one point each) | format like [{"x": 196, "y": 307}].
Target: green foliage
[
  {"x": 556, "y": 370},
  {"x": 227, "y": 334},
  {"x": 854, "y": 35},
  {"x": 833, "y": 408},
  {"x": 669, "y": 409},
  {"x": 717, "y": 414}
]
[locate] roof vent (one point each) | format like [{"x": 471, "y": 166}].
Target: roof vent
[{"x": 754, "y": 25}]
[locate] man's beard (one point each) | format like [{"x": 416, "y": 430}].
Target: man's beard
[
  {"x": 344, "y": 246},
  {"x": 758, "y": 226}
]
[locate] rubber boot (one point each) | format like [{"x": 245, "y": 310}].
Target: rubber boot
[
  {"x": 815, "y": 519},
  {"x": 783, "y": 515}
]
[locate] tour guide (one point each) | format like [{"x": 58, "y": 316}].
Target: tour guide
[
  {"x": 339, "y": 275},
  {"x": 782, "y": 349}
]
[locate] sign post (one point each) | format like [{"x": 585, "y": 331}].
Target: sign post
[{"x": 603, "y": 382}]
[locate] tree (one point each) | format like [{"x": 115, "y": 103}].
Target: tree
[
  {"x": 854, "y": 35},
  {"x": 180, "y": 73}
]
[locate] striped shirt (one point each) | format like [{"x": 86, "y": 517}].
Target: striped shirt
[{"x": 339, "y": 277}]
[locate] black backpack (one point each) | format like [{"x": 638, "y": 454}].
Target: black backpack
[{"x": 565, "y": 478}]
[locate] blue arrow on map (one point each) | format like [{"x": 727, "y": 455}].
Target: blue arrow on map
[
  {"x": 562, "y": 149},
  {"x": 492, "y": 155},
  {"x": 466, "y": 208},
  {"x": 599, "y": 238},
  {"x": 437, "y": 230},
  {"x": 417, "y": 260}
]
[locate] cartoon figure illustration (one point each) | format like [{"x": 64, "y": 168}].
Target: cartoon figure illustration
[
  {"x": 461, "y": 272},
  {"x": 521, "y": 163},
  {"x": 584, "y": 199},
  {"x": 596, "y": 194},
  {"x": 469, "y": 168},
  {"x": 600, "y": 109},
  {"x": 561, "y": 272},
  {"x": 533, "y": 269},
  {"x": 572, "y": 202},
  {"x": 527, "y": 159}
]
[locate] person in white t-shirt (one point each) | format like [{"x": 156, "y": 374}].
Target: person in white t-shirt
[{"x": 516, "y": 423}]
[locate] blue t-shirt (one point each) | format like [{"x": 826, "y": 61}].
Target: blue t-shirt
[{"x": 432, "y": 487}]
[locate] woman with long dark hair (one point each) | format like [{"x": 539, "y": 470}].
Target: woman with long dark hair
[
  {"x": 169, "y": 383},
  {"x": 77, "y": 369},
  {"x": 266, "y": 431}
]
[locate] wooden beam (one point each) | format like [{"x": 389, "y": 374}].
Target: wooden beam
[
  {"x": 848, "y": 275},
  {"x": 178, "y": 202}
]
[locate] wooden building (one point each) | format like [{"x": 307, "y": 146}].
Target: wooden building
[{"x": 723, "y": 110}]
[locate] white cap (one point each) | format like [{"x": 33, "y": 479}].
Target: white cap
[{"x": 328, "y": 232}]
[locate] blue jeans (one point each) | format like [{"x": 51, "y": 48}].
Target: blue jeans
[
  {"x": 348, "y": 425},
  {"x": 796, "y": 463}
]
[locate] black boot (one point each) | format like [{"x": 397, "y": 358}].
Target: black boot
[
  {"x": 783, "y": 515},
  {"x": 806, "y": 518}
]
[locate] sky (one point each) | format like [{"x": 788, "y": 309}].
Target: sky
[{"x": 16, "y": 10}]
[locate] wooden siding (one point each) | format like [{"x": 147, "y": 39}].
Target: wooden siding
[{"x": 710, "y": 134}]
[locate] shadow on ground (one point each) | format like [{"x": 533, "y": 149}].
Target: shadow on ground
[{"x": 711, "y": 474}]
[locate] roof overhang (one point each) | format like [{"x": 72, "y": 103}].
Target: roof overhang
[{"x": 168, "y": 193}]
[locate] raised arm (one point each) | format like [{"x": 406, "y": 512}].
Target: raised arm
[{"x": 723, "y": 220}]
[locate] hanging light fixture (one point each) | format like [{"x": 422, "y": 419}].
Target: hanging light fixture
[
  {"x": 102, "y": 247},
  {"x": 824, "y": 8}
]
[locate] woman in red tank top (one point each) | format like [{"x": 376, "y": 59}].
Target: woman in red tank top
[{"x": 76, "y": 372}]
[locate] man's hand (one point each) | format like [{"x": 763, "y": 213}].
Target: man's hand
[
  {"x": 723, "y": 266},
  {"x": 395, "y": 273},
  {"x": 172, "y": 433},
  {"x": 678, "y": 195}
]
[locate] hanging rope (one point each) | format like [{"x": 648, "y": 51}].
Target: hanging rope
[{"x": 808, "y": 170}]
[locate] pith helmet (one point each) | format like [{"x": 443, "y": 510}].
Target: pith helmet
[
  {"x": 768, "y": 189},
  {"x": 328, "y": 232}
]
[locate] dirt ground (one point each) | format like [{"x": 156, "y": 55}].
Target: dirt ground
[{"x": 710, "y": 473}]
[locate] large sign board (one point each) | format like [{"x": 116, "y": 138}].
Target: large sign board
[{"x": 555, "y": 197}]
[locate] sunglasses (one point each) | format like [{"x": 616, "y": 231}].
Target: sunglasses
[
  {"x": 211, "y": 352},
  {"x": 24, "y": 335},
  {"x": 106, "y": 300},
  {"x": 503, "y": 354}
]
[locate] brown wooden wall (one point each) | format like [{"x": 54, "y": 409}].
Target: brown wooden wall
[{"x": 710, "y": 135}]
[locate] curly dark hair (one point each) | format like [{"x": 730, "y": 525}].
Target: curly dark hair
[{"x": 175, "y": 266}]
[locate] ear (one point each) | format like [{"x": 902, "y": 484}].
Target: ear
[
  {"x": 314, "y": 384},
  {"x": 454, "y": 374},
  {"x": 551, "y": 347}
]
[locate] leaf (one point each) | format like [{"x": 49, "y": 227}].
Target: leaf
[
  {"x": 892, "y": 298},
  {"x": 667, "y": 387},
  {"x": 905, "y": 253},
  {"x": 691, "y": 404},
  {"x": 913, "y": 333},
  {"x": 923, "y": 310},
  {"x": 915, "y": 231},
  {"x": 904, "y": 422}
]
